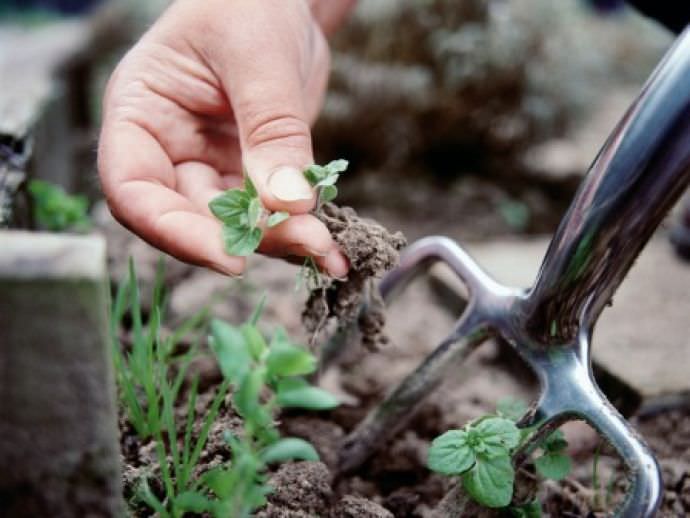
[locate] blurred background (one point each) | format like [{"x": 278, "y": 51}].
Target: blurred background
[{"x": 472, "y": 118}]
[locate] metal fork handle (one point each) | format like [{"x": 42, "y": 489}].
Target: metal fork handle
[
  {"x": 421, "y": 254},
  {"x": 640, "y": 172},
  {"x": 570, "y": 392}
]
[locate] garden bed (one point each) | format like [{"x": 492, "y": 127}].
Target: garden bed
[{"x": 396, "y": 481}]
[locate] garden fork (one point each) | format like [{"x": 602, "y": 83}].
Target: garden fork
[{"x": 640, "y": 172}]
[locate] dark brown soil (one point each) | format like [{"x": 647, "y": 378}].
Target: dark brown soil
[
  {"x": 357, "y": 507},
  {"x": 372, "y": 250},
  {"x": 300, "y": 489}
]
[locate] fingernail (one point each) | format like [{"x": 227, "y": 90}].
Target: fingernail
[
  {"x": 336, "y": 264},
  {"x": 230, "y": 271},
  {"x": 289, "y": 184}
]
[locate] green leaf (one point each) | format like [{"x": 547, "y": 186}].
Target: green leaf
[
  {"x": 286, "y": 359},
  {"x": 143, "y": 492},
  {"x": 287, "y": 384},
  {"x": 337, "y": 166},
  {"x": 247, "y": 395},
  {"x": 254, "y": 212},
  {"x": 254, "y": 340},
  {"x": 511, "y": 408},
  {"x": 490, "y": 481},
  {"x": 55, "y": 210},
  {"x": 192, "y": 502},
  {"x": 258, "y": 310},
  {"x": 276, "y": 219},
  {"x": 249, "y": 186},
  {"x": 230, "y": 205},
  {"x": 450, "y": 454},
  {"x": 314, "y": 174},
  {"x": 329, "y": 180},
  {"x": 220, "y": 480},
  {"x": 555, "y": 442},
  {"x": 328, "y": 193},
  {"x": 241, "y": 240},
  {"x": 290, "y": 448},
  {"x": 555, "y": 466},
  {"x": 529, "y": 510},
  {"x": 231, "y": 351},
  {"x": 498, "y": 431},
  {"x": 306, "y": 396}
]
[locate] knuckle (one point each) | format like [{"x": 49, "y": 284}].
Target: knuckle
[{"x": 269, "y": 128}]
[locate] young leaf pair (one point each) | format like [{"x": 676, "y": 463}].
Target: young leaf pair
[
  {"x": 481, "y": 454},
  {"x": 323, "y": 179},
  {"x": 243, "y": 215}
]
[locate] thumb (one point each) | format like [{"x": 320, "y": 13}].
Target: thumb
[{"x": 268, "y": 83}]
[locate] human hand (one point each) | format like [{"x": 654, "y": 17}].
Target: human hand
[{"x": 211, "y": 86}]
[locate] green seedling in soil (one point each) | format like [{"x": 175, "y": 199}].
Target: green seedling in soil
[
  {"x": 244, "y": 217},
  {"x": 601, "y": 497},
  {"x": 265, "y": 376},
  {"x": 481, "y": 455},
  {"x": 150, "y": 376},
  {"x": 55, "y": 210}
]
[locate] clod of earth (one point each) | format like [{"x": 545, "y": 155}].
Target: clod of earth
[{"x": 372, "y": 250}]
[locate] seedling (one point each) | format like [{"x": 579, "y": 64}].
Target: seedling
[
  {"x": 266, "y": 376},
  {"x": 244, "y": 217},
  {"x": 55, "y": 210},
  {"x": 481, "y": 455},
  {"x": 150, "y": 378},
  {"x": 323, "y": 179}
]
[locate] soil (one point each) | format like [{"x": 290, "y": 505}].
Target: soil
[
  {"x": 371, "y": 250},
  {"x": 394, "y": 482}
]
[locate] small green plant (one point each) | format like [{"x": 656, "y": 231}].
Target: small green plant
[
  {"x": 55, "y": 210},
  {"x": 266, "y": 376},
  {"x": 481, "y": 455},
  {"x": 244, "y": 217},
  {"x": 150, "y": 377},
  {"x": 323, "y": 179}
]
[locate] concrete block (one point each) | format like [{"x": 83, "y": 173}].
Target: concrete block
[{"x": 59, "y": 453}]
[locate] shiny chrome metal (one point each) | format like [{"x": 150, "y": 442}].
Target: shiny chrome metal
[
  {"x": 637, "y": 176},
  {"x": 639, "y": 173}
]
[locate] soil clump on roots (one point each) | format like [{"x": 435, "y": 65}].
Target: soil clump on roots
[{"x": 372, "y": 250}]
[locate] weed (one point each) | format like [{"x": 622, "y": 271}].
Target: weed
[
  {"x": 265, "y": 376},
  {"x": 324, "y": 178},
  {"x": 150, "y": 379},
  {"x": 55, "y": 210},
  {"x": 481, "y": 455},
  {"x": 244, "y": 217}
]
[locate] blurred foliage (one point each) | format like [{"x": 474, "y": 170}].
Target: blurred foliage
[
  {"x": 451, "y": 87},
  {"x": 57, "y": 211}
]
